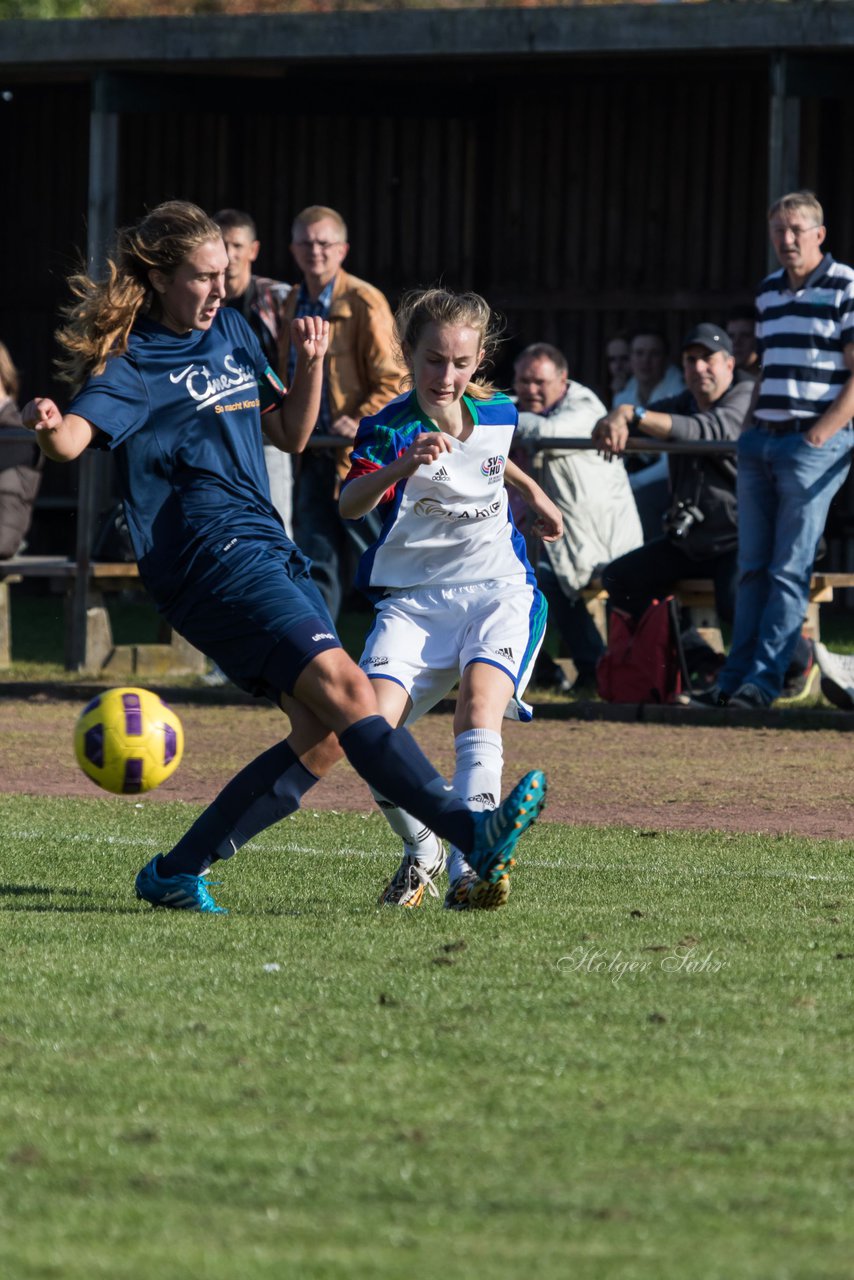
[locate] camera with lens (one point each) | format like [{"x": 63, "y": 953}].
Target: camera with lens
[{"x": 682, "y": 517}]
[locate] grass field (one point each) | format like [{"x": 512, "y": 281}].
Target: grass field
[{"x": 640, "y": 1069}]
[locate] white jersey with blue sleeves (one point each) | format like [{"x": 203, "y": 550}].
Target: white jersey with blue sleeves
[{"x": 449, "y": 522}]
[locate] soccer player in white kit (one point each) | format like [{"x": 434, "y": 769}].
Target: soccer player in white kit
[{"x": 456, "y": 598}]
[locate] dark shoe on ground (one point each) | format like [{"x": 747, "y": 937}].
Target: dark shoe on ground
[
  {"x": 702, "y": 661},
  {"x": 584, "y": 688},
  {"x": 749, "y": 698},
  {"x": 550, "y": 675},
  {"x": 838, "y": 694},
  {"x": 802, "y": 689},
  {"x": 714, "y": 696}
]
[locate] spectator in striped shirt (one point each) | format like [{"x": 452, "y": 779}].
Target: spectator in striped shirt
[{"x": 797, "y": 452}]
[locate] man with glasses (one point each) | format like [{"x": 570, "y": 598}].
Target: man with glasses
[
  {"x": 361, "y": 375},
  {"x": 795, "y": 454}
]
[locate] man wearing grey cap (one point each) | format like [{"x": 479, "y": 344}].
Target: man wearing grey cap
[{"x": 700, "y": 536}]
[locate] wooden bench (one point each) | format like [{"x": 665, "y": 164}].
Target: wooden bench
[
  {"x": 176, "y": 657},
  {"x": 698, "y": 595}
]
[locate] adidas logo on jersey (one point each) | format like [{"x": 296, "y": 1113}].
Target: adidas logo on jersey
[
  {"x": 323, "y": 635},
  {"x": 441, "y": 474},
  {"x": 505, "y": 653}
]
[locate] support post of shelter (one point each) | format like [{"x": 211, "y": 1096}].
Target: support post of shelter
[
  {"x": 784, "y": 137},
  {"x": 93, "y": 471}
]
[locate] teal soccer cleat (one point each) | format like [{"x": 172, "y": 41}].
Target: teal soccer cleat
[
  {"x": 184, "y": 893},
  {"x": 496, "y": 833}
]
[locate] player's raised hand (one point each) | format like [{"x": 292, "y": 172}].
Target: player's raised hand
[
  {"x": 424, "y": 449},
  {"x": 548, "y": 524},
  {"x": 310, "y": 336},
  {"x": 41, "y": 414}
]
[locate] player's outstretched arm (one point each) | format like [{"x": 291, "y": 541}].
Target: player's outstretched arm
[
  {"x": 310, "y": 336},
  {"x": 61, "y": 438}
]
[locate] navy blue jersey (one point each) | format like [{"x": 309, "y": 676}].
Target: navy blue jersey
[{"x": 183, "y": 414}]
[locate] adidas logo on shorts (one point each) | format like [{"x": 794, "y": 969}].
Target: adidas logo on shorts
[
  {"x": 506, "y": 652},
  {"x": 441, "y": 474}
]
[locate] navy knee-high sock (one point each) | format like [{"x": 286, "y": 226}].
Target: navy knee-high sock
[
  {"x": 391, "y": 761},
  {"x": 267, "y": 790}
]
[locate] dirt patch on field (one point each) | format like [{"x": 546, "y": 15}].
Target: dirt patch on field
[{"x": 650, "y": 776}]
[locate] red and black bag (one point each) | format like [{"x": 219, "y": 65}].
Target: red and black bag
[{"x": 643, "y": 661}]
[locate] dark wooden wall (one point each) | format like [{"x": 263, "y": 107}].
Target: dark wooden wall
[
  {"x": 580, "y": 197},
  {"x": 578, "y": 200},
  {"x": 44, "y": 143}
]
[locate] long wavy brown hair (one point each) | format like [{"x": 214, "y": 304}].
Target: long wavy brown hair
[{"x": 99, "y": 319}]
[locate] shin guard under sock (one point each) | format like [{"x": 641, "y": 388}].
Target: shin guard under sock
[
  {"x": 267, "y": 790},
  {"x": 392, "y": 763},
  {"x": 418, "y": 840},
  {"x": 477, "y": 777}
]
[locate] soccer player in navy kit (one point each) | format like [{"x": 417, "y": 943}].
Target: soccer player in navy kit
[
  {"x": 175, "y": 385},
  {"x": 456, "y": 596}
]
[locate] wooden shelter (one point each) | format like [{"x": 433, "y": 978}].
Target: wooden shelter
[{"x": 585, "y": 168}]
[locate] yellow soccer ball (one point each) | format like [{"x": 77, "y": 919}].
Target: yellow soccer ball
[{"x": 128, "y": 741}]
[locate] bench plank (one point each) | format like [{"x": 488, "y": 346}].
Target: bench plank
[
  {"x": 102, "y": 578},
  {"x": 699, "y": 594},
  {"x": 59, "y": 567}
]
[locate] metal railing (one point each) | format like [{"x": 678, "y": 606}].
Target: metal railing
[
  {"x": 633, "y": 445},
  {"x": 14, "y": 435}
]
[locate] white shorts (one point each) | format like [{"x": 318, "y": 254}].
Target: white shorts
[{"x": 425, "y": 639}]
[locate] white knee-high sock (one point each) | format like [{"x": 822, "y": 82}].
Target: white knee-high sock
[
  {"x": 418, "y": 840},
  {"x": 477, "y": 777}
]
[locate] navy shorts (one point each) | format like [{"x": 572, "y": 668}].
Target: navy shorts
[{"x": 260, "y": 618}]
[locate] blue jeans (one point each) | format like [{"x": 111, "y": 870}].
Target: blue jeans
[{"x": 785, "y": 487}]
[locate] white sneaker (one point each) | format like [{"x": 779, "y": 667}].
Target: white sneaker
[
  {"x": 407, "y": 886},
  {"x": 837, "y": 676}
]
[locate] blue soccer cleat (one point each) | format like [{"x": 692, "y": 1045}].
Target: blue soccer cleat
[
  {"x": 184, "y": 893},
  {"x": 497, "y": 832}
]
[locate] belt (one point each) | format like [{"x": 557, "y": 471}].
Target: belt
[{"x": 787, "y": 427}]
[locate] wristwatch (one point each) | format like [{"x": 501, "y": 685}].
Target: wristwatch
[{"x": 639, "y": 415}]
